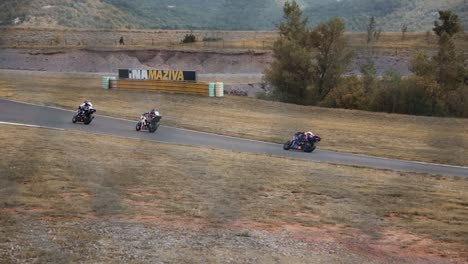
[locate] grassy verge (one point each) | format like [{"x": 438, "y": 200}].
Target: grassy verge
[
  {"x": 59, "y": 176},
  {"x": 440, "y": 140}
]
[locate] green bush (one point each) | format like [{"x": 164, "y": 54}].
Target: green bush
[
  {"x": 211, "y": 39},
  {"x": 189, "y": 38},
  {"x": 348, "y": 94},
  {"x": 413, "y": 95}
]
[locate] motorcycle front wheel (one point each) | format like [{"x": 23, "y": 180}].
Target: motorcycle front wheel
[
  {"x": 309, "y": 147},
  {"x": 88, "y": 121}
]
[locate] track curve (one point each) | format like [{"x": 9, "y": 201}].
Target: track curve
[{"x": 23, "y": 113}]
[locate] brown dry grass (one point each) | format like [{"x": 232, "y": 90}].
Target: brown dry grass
[
  {"x": 429, "y": 139},
  {"x": 390, "y": 43},
  {"x": 64, "y": 177}
]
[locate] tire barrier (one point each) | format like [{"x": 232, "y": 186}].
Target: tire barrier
[
  {"x": 211, "y": 89},
  {"x": 105, "y": 81},
  {"x": 219, "y": 89}
]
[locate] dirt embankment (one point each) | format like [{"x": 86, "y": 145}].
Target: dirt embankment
[
  {"x": 110, "y": 61},
  {"x": 89, "y": 60},
  {"x": 242, "y": 71}
]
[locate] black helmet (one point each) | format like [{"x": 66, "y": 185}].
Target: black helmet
[
  {"x": 86, "y": 102},
  {"x": 153, "y": 111}
]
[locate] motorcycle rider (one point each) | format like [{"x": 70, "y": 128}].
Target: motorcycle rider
[
  {"x": 301, "y": 136},
  {"x": 308, "y": 135},
  {"x": 150, "y": 115},
  {"x": 83, "y": 106}
]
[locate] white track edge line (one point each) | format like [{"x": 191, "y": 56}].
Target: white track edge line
[
  {"x": 235, "y": 151},
  {"x": 251, "y": 140},
  {"x": 390, "y": 159},
  {"x": 128, "y": 120},
  {"x": 28, "y": 125}
]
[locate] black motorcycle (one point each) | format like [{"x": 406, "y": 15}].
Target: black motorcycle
[
  {"x": 84, "y": 116},
  {"x": 148, "y": 122},
  {"x": 301, "y": 143}
]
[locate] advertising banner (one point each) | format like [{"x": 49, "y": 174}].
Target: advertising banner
[{"x": 160, "y": 75}]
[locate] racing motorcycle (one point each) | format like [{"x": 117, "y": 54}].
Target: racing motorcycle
[
  {"x": 300, "y": 142},
  {"x": 148, "y": 122},
  {"x": 85, "y": 116}
]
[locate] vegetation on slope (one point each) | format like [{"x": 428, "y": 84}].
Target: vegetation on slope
[
  {"x": 222, "y": 14},
  {"x": 64, "y": 13},
  {"x": 439, "y": 86}
]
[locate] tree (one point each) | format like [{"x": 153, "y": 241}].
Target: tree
[
  {"x": 404, "y": 29},
  {"x": 290, "y": 72},
  {"x": 450, "y": 24},
  {"x": 421, "y": 65},
  {"x": 443, "y": 75},
  {"x": 369, "y": 75},
  {"x": 371, "y": 29},
  {"x": 348, "y": 94},
  {"x": 450, "y": 71},
  {"x": 377, "y": 34},
  {"x": 294, "y": 28},
  {"x": 333, "y": 56}
]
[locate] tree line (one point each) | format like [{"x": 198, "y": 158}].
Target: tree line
[{"x": 309, "y": 66}]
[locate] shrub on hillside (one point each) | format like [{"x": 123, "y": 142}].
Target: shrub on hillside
[
  {"x": 348, "y": 94},
  {"x": 457, "y": 102},
  {"x": 211, "y": 39},
  {"x": 413, "y": 95},
  {"x": 189, "y": 38},
  {"x": 383, "y": 97}
]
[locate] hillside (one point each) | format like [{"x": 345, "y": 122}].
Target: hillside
[
  {"x": 418, "y": 14},
  {"x": 221, "y": 14}
]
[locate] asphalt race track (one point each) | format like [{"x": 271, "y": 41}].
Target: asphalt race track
[{"x": 21, "y": 113}]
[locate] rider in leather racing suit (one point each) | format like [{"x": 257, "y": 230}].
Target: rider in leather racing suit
[
  {"x": 301, "y": 136},
  {"x": 153, "y": 113},
  {"x": 82, "y": 106}
]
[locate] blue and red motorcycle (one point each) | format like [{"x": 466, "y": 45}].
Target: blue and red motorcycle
[{"x": 303, "y": 142}]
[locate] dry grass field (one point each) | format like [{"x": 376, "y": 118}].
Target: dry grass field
[
  {"x": 389, "y": 43},
  {"x": 87, "y": 198},
  {"x": 429, "y": 139}
]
